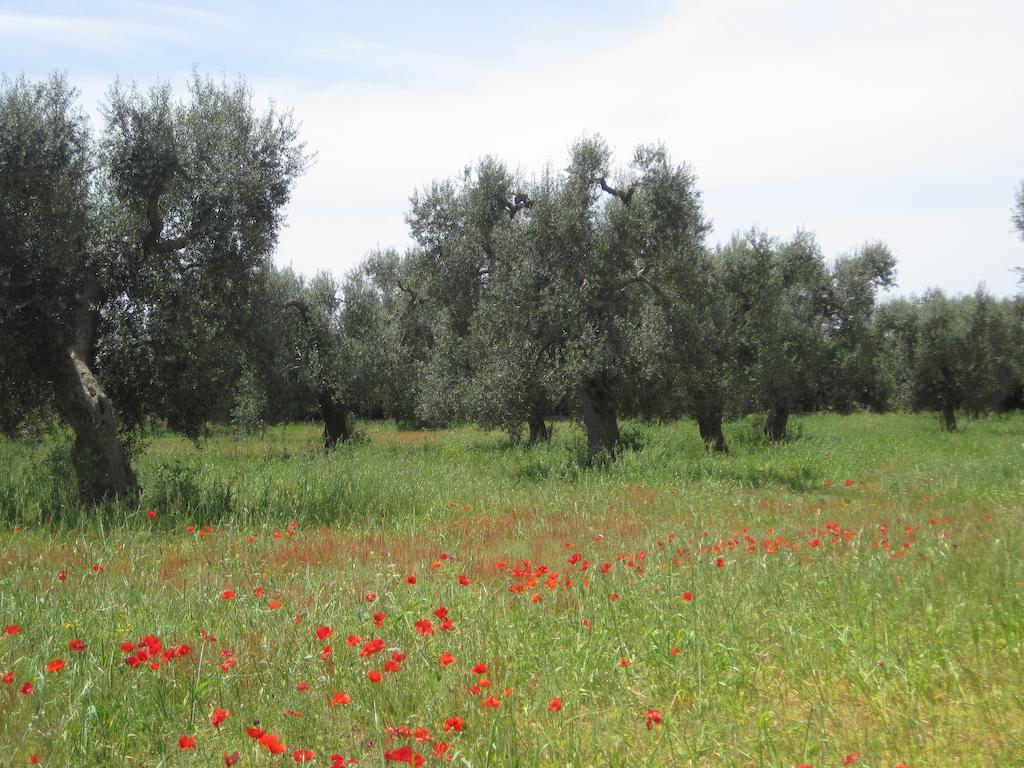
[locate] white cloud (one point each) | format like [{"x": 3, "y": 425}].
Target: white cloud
[
  {"x": 749, "y": 92},
  {"x": 101, "y": 33}
]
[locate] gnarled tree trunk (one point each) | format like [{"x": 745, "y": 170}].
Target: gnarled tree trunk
[
  {"x": 599, "y": 415},
  {"x": 539, "y": 430},
  {"x": 709, "y": 422},
  {"x": 949, "y": 415},
  {"x": 775, "y": 424},
  {"x": 337, "y": 428},
  {"x": 100, "y": 458},
  {"x": 336, "y": 425}
]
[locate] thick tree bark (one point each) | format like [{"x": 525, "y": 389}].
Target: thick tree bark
[
  {"x": 710, "y": 424},
  {"x": 599, "y": 416},
  {"x": 949, "y": 414},
  {"x": 539, "y": 430},
  {"x": 100, "y": 458},
  {"x": 775, "y": 424},
  {"x": 336, "y": 424}
]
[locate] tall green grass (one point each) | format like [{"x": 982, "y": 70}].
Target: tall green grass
[
  {"x": 883, "y": 618},
  {"x": 392, "y": 477}
]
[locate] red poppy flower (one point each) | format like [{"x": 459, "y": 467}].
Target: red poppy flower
[
  {"x": 302, "y": 686},
  {"x": 392, "y": 666},
  {"x": 687, "y": 597},
  {"x": 375, "y": 676},
  {"x": 324, "y": 632},
  {"x": 440, "y": 748},
  {"x": 255, "y": 732},
  {"x": 424, "y": 627},
  {"x": 624, "y": 662},
  {"x": 27, "y": 688},
  {"x": 303, "y": 755},
  {"x": 219, "y": 716},
  {"x": 555, "y": 705},
  {"x": 371, "y": 647},
  {"x": 7, "y": 678},
  {"x": 228, "y": 594},
  {"x": 77, "y": 646},
  {"x": 405, "y": 755},
  {"x": 410, "y": 579},
  {"x": 378, "y": 619},
  {"x": 853, "y": 757},
  {"x": 231, "y": 759},
  {"x": 464, "y": 580},
  {"x": 490, "y": 702},
  {"x": 12, "y": 629},
  {"x": 186, "y": 742},
  {"x": 272, "y": 743},
  {"x": 653, "y": 718},
  {"x": 55, "y": 666},
  {"x": 339, "y": 699},
  {"x": 480, "y": 669},
  {"x": 33, "y": 758},
  {"x": 150, "y": 513},
  {"x": 446, "y": 659},
  {"x": 274, "y": 605},
  {"x": 370, "y": 597},
  {"x": 454, "y": 724},
  {"x": 62, "y": 575},
  {"x": 720, "y": 562}
]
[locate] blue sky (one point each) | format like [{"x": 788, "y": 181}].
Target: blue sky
[{"x": 897, "y": 120}]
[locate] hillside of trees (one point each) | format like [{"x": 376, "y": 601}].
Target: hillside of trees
[{"x": 137, "y": 286}]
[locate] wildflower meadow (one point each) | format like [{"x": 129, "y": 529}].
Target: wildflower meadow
[{"x": 852, "y": 597}]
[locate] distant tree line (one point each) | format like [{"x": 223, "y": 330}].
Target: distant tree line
[{"x": 136, "y": 284}]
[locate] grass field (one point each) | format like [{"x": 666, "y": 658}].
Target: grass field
[{"x": 853, "y": 597}]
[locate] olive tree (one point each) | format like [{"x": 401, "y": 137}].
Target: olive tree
[
  {"x": 853, "y": 375},
  {"x": 618, "y": 249},
  {"x": 323, "y": 354},
  {"x": 705, "y": 358},
  {"x": 541, "y": 290},
  {"x": 164, "y": 219},
  {"x": 940, "y": 356},
  {"x": 948, "y": 353},
  {"x": 388, "y": 327},
  {"x": 515, "y": 331},
  {"x": 460, "y": 226},
  {"x": 778, "y": 294}
]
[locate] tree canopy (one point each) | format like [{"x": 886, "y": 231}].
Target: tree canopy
[
  {"x": 138, "y": 246},
  {"x": 136, "y": 284}
]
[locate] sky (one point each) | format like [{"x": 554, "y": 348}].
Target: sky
[{"x": 892, "y": 120}]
